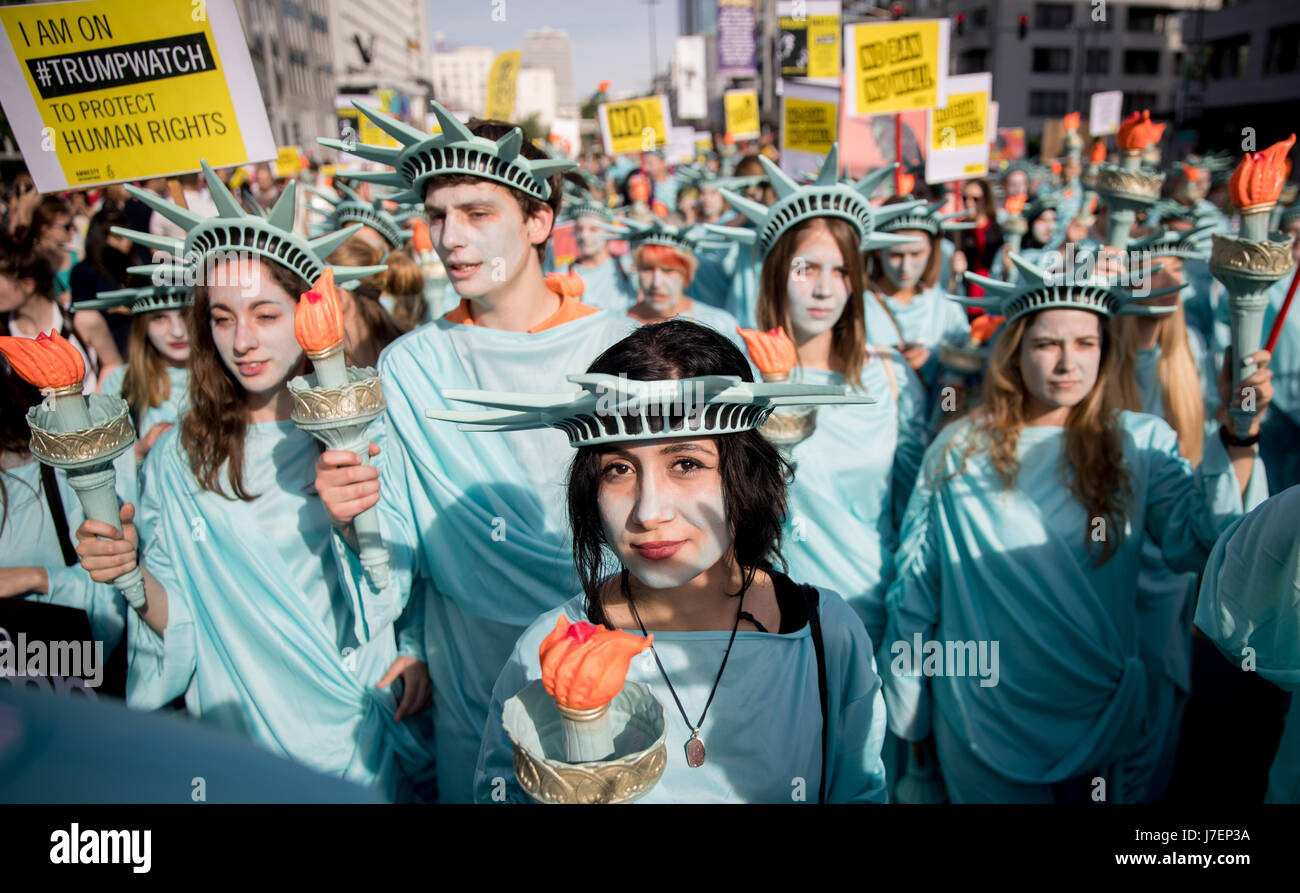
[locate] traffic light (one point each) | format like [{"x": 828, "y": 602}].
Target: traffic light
[
  {"x": 1023, "y": 25},
  {"x": 898, "y": 10},
  {"x": 961, "y": 23}
]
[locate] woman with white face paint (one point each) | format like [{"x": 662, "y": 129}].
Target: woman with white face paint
[
  {"x": 1038, "y": 505},
  {"x": 665, "y": 261},
  {"x": 155, "y": 377},
  {"x": 246, "y": 614},
  {"x": 904, "y": 304},
  {"x": 854, "y": 464},
  {"x": 693, "y": 518}
]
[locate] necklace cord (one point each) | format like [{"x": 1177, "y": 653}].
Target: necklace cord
[{"x": 627, "y": 594}]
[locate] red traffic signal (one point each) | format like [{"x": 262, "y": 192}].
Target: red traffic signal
[
  {"x": 961, "y": 23},
  {"x": 898, "y": 10},
  {"x": 1023, "y": 25}
]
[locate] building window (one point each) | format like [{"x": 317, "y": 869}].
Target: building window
[
  {"x": 1141, "y": 61},
  {"x": 1097, "y": 62},
  {"x": 1228, "y": 57},
  {"x": 318, "y": 23},
  {"x": 1048, "y": 103},
  {"x": 1283, "y": 51},
  {"x": 1137, "y": 101},
  {"x": 979, "y": 18},
  {"x": 293, "y": 9},
  {"x": 1149, "y": 19},
  {"x": 1051, "y": 60},
  {"x": 972, "y": 61},
  {"x": 1053, "y": 16}
]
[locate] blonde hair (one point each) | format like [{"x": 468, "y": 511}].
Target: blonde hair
[
  {"x": 145, "y": 383},
  {"x": 1092, "y": 463},
  {"x": 1180, "y": 383}
]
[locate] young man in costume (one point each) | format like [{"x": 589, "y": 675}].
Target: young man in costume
[{"x": 476, "y": 527}]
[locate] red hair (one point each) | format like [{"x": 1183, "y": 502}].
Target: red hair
[{"x": 663, "y": 256}]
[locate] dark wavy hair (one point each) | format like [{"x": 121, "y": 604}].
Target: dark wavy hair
[
  {"x": 754, "y": 476},
  {"x": 213, "y": 430}
]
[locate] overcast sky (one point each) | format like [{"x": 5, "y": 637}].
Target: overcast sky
[{"x": 611, "y": 38}]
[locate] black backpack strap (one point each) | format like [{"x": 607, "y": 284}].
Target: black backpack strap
[
  {"x": 812, "y": 599},
  {"x": 54, "y": 499}
]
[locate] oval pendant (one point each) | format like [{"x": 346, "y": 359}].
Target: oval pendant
[{"x": 695, "y": 751}]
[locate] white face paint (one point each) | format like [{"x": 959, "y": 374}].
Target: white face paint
[
  {"x": 482, "y": 237},
  {"x": 1060, "y": 356},
  {"x": 662, "y": 509},
  {"x": 589, "y": 236},
  {"x": 904, "y": 265},
  {"x": 168, "y": 335},
  {"x": 818, "y": 285},
  {"x": 1016, "y": 183},
  {"x": 1044, "y": 225},
  {"x": 661, "y": 288},
  {"x": 254, "y": 333}
]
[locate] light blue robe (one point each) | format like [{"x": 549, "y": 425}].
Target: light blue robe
[
  {"x": 979, "y": 563},
  {"x": 1279, "y": 441},
  {"x": 930, "y": 319},
  {"x": 1250, "y": 598},
  {"x": 1166, "y": 597},
  {"x": 169, "y": 410},
  {"x": 262, "y": 637},
  {"x": 763, "y": 731},
  {"x": 476, "y": 522},
  {"x": 852, "y": 479},
  {"x": 28, "y": 538},
  {"x": 716, "y": 319},
  {"x": 606, "y": 286},
  {"x": 728, "y": 278}
]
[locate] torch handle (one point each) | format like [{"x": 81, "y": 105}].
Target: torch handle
[
  {"x": 96, "y": 491},
  {"x": 370, "y": 540}
]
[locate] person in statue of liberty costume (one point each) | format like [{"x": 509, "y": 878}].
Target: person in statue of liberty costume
[
  {"x": 905, "y": 305},
  {"x": 245, "y": 614},
  {"x": 1038, "y": 505},
  {"x": 475, "y": 525},
  {"x": 666, "y": 261},
  {"x": 606, "y": 285},
  {"x": 688, "y": 503},
  {"x": 155, "y": 377},
  {"x": 1250, "y": 608},
  {"x": 847, "y": 497}
]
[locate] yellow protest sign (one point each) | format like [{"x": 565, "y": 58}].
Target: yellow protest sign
[
  {"x": 100, "y": 91},
  {"x": 809, "y": 126},
  {"x": 634, "y": 125},
  {"x": 741, "y": 108},
  {"x": 501, "y": 86},
  {"x": 961, "y": 130},
  {"x": 961, "y": 122},
  {"x": 809, "y": 45},
  {"x": 286, "y": 161},
  {"x": 896, "y": 66}
]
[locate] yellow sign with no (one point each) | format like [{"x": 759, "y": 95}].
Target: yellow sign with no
[
  {"x": 286, "y": 161},
  {"x": 125, "y": 90},
  {"x": 741, "y": 108},
  {"x": 634, "y": 125},
  {"x": 896, "y": 66}
]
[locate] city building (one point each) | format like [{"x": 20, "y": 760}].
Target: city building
[
  {"x": 292, "y": 53},
  {"x": 1048, "y": 58},
  {"x": 535, "y": 94},
  {"x": 1245, "y": 72},
  {"x": 460, "y": 76},
  {"x": 551, "y": 48},
  {"x": 383, "y": 45}
]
